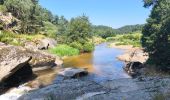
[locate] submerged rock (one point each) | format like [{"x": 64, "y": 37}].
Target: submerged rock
[{"x": 73, "y": 73}]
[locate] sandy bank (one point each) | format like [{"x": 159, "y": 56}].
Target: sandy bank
[{"x": 131, "y": 53}]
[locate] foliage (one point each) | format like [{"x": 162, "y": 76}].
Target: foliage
[
  {"x": 130, "y": 28},
  {"x": 62, "y": 24},
  {"x": 30, "y": 14},
  {"x": 64, "y": 50},
  {"x": 3, "y": 8},
  {"x": 18, "y": 39},
  {"x": 126, "y": 39},
  {"x": 77, "y": 45},
  {"x": 79, "y": 30},
  {"x": 103, "y": 31},
  {"x": 49, "y": 29},
  {"x": 156, "y": 33},
  {"x": 88, "y": 47},
  {"x": 98, "y": 40},
  {"x": 76, "y": 32}
]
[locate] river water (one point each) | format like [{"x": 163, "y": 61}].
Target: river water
[{"x": 102, "y": 63}]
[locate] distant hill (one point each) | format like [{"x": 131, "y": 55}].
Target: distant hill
[
  {"x": 106, "y": 31},
  {"x": 130, "y": 28}
]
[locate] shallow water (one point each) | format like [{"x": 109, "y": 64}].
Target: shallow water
[{"x": 102, "y": 63}]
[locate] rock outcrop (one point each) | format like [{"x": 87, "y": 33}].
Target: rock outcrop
[
  {"x": 46, "y": 43},
  {"x": 133, "y": 68},
  {"x": 14, "y": 67},
  {"x": 9, "y": 22},
  {"x": 134, "y": 55},
  {"x": 128, "y": 89},
  {"x": 39, "y": 58},
  {"x": 41, "y": 44},
  {"x": 66, "y": 90},
  {"x": 12, "y": 58}
]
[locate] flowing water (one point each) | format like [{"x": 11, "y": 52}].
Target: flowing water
[{"x": 101, "y": 64}]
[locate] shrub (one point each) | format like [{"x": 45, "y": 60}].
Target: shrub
[
  {"x": 64, "y": 50},
  {"x": 127, "y": 39},
  {"x": 77, "y": 45},
  {"x": 88, "y": 47}
]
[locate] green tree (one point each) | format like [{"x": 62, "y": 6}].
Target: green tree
[
  {"x": 156, "y": 33},
  {"x": 79, "y": 34},
  {"x": 62, "y": 29},
  {"x": 21, "y": 9}
]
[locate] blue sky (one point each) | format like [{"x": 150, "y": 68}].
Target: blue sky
[{"x": 114, "y": 13}]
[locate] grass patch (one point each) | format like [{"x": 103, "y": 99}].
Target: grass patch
[
  {"x": 127, "y": 39},
  {"x": 64, "y": 50}
]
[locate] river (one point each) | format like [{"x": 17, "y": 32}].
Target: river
[{"x": 101, "y": 64}]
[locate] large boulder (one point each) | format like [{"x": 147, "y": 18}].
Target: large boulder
[
  {"x": 135, "y": 55},
  {"x": 46, "y": 43},
  {"x": 132, "y": 68},
  {"x": 39, "y": 58},
  {"x": 14, "y": 67},
  {"x": 40, "y": 44}
]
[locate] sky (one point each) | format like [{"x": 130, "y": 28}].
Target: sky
[{"x": 113, "y": 13}]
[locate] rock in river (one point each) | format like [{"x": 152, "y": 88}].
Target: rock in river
[{"x": 73, "y": 72}]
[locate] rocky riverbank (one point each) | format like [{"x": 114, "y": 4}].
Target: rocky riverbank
[{"x": 70, "y": 86}]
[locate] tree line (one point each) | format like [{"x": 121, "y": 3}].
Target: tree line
[{"x": 156, "y": 33}]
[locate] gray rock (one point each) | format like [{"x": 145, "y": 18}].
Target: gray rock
[
  {"x": 39, "y": 59},
  {"x": 73, "y": 72},
  {"x": 2, "y": 44},
  {"x": 10, "y": 63},
  {"x": 126, "y": 89},
  {"x": 46, "y": 43},
  {"x": 66, "y": 90},
  {"x": 133, "y": 68},
  {"x": 14, "y": 67}
]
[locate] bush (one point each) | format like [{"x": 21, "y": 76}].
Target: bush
[
  {"x": 88, "y": 47},
  {"x": 64, "y": 50},
  {"x": 3, "y": 8},
  {"x": 77, "y": 45},
  {"x": 127, "y": 39}
]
